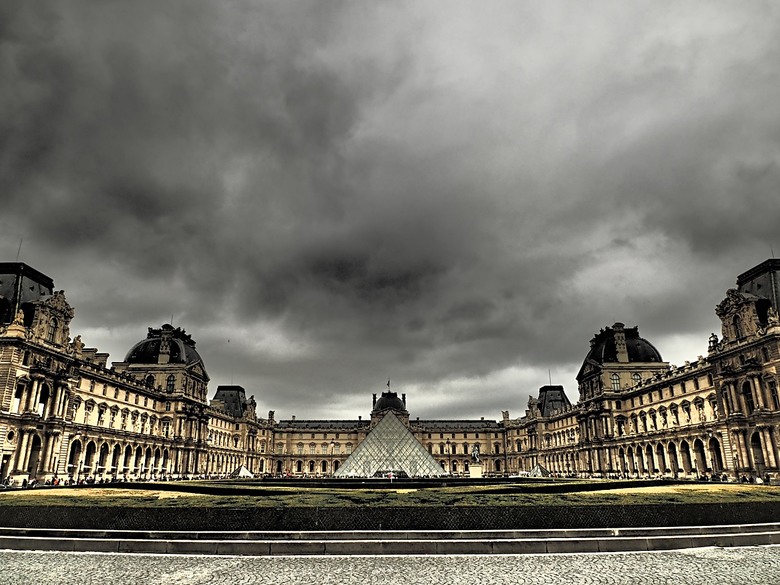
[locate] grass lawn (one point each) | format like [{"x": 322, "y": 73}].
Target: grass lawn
[{"x": 279, "y": 497}]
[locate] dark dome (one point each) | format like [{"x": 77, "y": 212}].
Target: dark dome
[
  {"x": 603, "y": 348},
  {"x": 389, "y": 400},
  {"x": 181, "y": 348}
]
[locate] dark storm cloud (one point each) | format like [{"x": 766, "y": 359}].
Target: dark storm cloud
[{"x": 456, "y": 200}]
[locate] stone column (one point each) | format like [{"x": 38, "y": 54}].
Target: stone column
[
  {"x": 755, "y": 382},
  {"x": 24, "y": 439},
  {"x": 767, "y": 448},
  {"x": 45, "y": 456},
  {"x": 745, "y": 458},
  {"x": 32, "y": 394},
  {"x": 736, "y": 399}
]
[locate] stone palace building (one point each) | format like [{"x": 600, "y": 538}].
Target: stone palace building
[{"x": 64, "y": 412}]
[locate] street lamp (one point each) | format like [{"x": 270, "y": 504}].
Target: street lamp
[
  {"x": 332, "y": 447},
  {"x": 449, "y": 458}
]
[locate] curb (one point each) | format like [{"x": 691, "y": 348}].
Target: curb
[{"x": 390, "y": 543}]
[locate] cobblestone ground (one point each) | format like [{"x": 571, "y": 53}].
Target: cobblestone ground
[{"x": 749, "y": 565}]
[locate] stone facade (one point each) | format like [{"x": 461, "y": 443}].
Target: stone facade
[
  {"x": 65, "y": 413},
  {"x": 639, "y": 416}
]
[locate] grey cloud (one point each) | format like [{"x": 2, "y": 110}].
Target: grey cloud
[{"x": 391, "y": 190}]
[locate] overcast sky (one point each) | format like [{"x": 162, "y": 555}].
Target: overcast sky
[{"x": 453, "y": 195}]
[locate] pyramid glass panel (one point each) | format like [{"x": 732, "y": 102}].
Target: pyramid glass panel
[{"x": 390, "y": 446}]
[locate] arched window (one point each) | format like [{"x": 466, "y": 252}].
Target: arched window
[
  {"x": 636, "y": 378},
  {"x": 170, "y": 383},
  {"x": 615, "y": 382}
]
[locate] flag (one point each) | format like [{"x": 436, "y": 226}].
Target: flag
[{"x": 388, "y": 383}]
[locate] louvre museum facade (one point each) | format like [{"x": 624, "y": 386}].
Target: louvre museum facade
[{"x": 65, "y": 413}]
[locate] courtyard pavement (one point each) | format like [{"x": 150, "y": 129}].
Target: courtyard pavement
[{"x": 712, "y": 566}]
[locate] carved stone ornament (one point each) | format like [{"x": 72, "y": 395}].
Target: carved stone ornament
[
  {"x": 77, "y": 345},
  {"x": 734, "y": 299},
  {"x": 58, "y": 303},
  {"x": 19, "y": 318}
]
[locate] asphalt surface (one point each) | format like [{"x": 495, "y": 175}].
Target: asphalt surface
[{"x": 712, "y": 566}]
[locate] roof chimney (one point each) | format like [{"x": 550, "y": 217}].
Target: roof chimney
[{"x": 620, "y": 343}]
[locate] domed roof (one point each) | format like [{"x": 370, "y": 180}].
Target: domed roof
[
  {"x": 389, "y": 400},
  {"x": 179, "y": 345},
  {"x": 603, "y": 348}
]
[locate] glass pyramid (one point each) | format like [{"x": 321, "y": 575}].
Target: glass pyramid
[{"x": 390, "y": 446}]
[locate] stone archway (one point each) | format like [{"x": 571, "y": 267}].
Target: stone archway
[
  {"x": 139, "y": 460},
  {"x": 102, "y": 459},
  {"x": 74, "y": 454},
  {"x": 127, "y": 459},
  {"x": 685, "y": 455},
  {"x": 674, "y": 464},
  {"x": 641, "y": 466},
  {"x": 89, "y": 458},
  {"x": 715, "y": 455},
  {"x": 651, "y": 467},
  {"x": 662, "y": 464},
  {"x": 699, "y": 457},
  {"x": 757, "y": 453},
  {"x": 35, "y": 457},
  {"x": 115, "y": 458}
]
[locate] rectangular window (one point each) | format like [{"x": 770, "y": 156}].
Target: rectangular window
[{"x": 773, "y": 392}]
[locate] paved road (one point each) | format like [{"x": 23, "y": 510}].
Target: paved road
[{"x": 710, "y": 566}]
